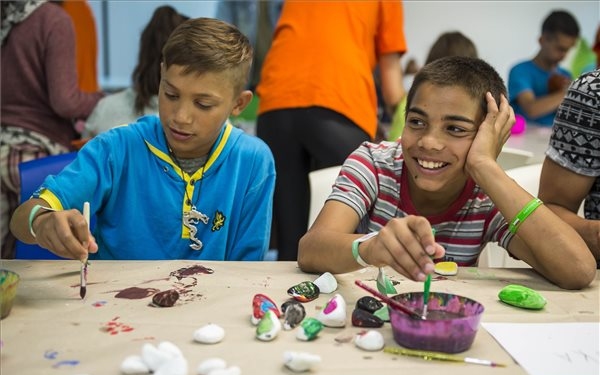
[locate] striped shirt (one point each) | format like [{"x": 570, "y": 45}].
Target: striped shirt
[{"x": 372, "y": 183}]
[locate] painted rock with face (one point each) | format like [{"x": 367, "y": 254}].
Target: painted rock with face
[
  {"x": 334, "y": 313},
  {"x": 260, "y": 305},
  {"x": 304, "y": 292},
  {"x": 521, "y": 296},
  {"x": 309, "y": 329}
]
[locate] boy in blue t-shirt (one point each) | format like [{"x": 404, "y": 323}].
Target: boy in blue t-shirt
[
  {"x": 184, "y": 184},
  {"x": 536, "y": 87}
]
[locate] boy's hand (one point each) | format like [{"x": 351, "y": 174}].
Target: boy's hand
[
  {"x": 407, "y": 245},
  {"x": 65, "y": 233},
  {"x": 492, "y": 133}
]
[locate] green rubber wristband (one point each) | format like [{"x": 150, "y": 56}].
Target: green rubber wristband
[
  {"x": 355, "y": 245},
  {"x": 524, "y": 214},
  {"x": 32, "y": 216}
]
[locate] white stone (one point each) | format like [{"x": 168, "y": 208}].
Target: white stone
[
  {"x": 300, "y": 361},
  {"x": 153, "y": 357},
  {"x": 173, "y": 366},
  {"x": 205, "y": 367},
  {"x": 169, "y": 348},
  {"x": 370, "y": 340},
  {"x": 134, "y": 364},
  {"x": 326, "y": 283},
  {"x": 233, "y": 370},
  {"x": 209, "y": 334}
]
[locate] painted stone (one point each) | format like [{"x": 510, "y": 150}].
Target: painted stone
[
  {"x": 446, "y": 268},
  {"x": 300, "y": 361},
  {"x": 369, "y": 340},
  {"x": 362, "y": 318},
  {"x": 293, "y": 313},
  {"x": 383, "y": 314},
  {"x": 334, "y": 313},
  {"x": 326, "y": 283},
  {"x": 368, "y": 303},
  {"x": 208, "y": 365},
  {"x": 209, "y": 334},
  {"x": 309, "y": 329},
  {"x": 269, "y": 326},
  {"x": 261, "y": 304},
  {"x": 166, "y": 298},
  {"x": 521, "y": 296},
  {"x": 304, "y": 292}
]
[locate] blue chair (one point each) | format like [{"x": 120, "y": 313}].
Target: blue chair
[{"x": 32, "y": 175}]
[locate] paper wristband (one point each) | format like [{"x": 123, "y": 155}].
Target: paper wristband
[
  {"x": 32, "y": 216},
  {"x": 524, "y": 214}
]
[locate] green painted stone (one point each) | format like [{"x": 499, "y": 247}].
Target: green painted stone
[{"x": 521, "y": 296}]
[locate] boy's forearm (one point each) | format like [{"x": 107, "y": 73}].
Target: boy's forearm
[
  {"x": 19, "y": 222},
  {"x": 589, "y": 230}
]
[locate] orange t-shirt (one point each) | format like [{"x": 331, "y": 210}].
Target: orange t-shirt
[
  {"x": 86, "y": 43},
  {"x": 323, "y": 54}
]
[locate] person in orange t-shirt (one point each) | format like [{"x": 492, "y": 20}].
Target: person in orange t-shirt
[
  {"x": 317, "y": 95},
  {"x": 86, "y": 41}
]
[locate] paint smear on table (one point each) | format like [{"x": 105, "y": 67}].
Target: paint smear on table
[
  {"x": 136, "y": 293},
  {"x": 191, "y": 271},
  {"x": 114, "y": 327}
]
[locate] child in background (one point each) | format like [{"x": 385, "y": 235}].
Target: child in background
[
  {"x": 181, "y": 185},
  {"x": 537, "y": 86},
  {"x": 442, "y": 174},
  {"x": 126, "y": 106},
  {"x": 452, "y": 43}
]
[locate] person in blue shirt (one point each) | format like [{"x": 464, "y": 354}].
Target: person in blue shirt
[
  {"x": 536, "y": 87},
  {"x": 183, "y": 184}
]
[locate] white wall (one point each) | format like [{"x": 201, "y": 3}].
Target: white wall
[{"x": 504, "y": 31}]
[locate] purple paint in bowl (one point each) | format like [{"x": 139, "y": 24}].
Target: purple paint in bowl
[{"x": 451, "y": 324}]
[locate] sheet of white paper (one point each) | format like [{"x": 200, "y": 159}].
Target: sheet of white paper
[{"x": 551, "y": 348}]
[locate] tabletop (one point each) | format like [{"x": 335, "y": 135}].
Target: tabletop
[
  {"x": 534, "y": 139},
  {"x": 51, "y": 330}
]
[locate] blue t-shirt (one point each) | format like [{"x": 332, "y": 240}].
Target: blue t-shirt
[
  {"x": 138, "y": 195},
  {"x": 527, "y": 76}
]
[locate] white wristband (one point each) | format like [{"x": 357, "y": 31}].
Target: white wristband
[{"x": 355, "y": 245}]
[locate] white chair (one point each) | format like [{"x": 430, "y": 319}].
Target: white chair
[
  {"x": 510, "y": 158},
  {"x": 321, "y": 182},
  {"x": 493, "y": 256}
]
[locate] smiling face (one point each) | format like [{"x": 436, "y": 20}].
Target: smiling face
[
  {"x": 193, "y": 108},
  {"x": 441, "y": 123}
]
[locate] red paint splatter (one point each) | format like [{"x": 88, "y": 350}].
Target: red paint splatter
[
  {"x": 113, "y": 327},
  {"x": 190, "y": 271},
  {"x": 99, "y": 303}
]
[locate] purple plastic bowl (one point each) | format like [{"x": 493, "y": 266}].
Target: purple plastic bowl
[{"x": 449, "y": 334}]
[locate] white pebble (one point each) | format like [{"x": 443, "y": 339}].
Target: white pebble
[
  {"x": 208, "y": 365},
  {"x": 370, "y": 340},
  {"x": 155, "y": 357},
  {"x": 134, "y": 364},
  {"x": 233, "y": 370},
  {"x": 173, "y": 366},
  {"x": 209, "y": 334},
  {"x": 300, "y": 361},
  {"x": 326, "y": 283}
]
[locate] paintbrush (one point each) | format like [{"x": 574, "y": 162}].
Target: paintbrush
[
  {"x": 84, "y": 263},
  {"x": 390, "y": 301},
  {"x": 427, "y": 355},
  {"x": 427, "y": 287}
]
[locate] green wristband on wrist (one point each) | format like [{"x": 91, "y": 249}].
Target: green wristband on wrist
[
  {"x": 355, "y": 245},
  {"x": 524, "y": 214},
  {"x": 32, "y": 216}
]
